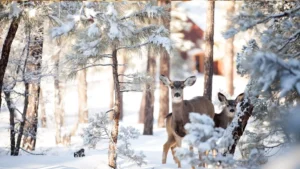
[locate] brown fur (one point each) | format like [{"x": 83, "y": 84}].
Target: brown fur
[{"x": 181, "y": 108}]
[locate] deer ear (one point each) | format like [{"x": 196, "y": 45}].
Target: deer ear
[
  {"x": 166, "y": 81},
  {"x": 239, "y": 98},
  {"x": 221, "y": 97},
  {"x": 190, "y": 81}
]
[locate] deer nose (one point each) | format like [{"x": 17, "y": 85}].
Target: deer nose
[
  {"x": 177, "y": 95},
  {"x": 231, "y": 110}
]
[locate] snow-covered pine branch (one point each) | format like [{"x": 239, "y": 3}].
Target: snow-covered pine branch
[
  {"x": 99, "y": 130},
  {"x": 205, "y": 137}
]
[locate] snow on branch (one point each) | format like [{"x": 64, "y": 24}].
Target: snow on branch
[
  {"x": 269, "y": 69},
  {"x": 204, "y": 136},
  {"x": 248, "y": 24},
  {"x": 99, "y": 129},
  {"x": 149, "y": 11}
]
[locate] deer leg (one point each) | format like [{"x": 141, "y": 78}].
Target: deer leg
[
  {"x": 166, "y": 148},
  {"x": 178, "y": 144},
  {"x": 192, "y": 149},
  {"x": 205, "y": 165}
]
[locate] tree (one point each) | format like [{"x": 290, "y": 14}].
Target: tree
[
  {"x": 58, "y": 97},
  {"x": 164, "y": 68},
  {"x": 14, "y": 15},
  {"x": 34, "y": 71},
  {"x": 272, "y": 67},
  {"x": 229, "y": 51},
  {"x": 209, "y": 46},
  {"x": 119, "y": 32},
  {"x": 83, "y": 113},
  {"x": 149, "y": 96}
]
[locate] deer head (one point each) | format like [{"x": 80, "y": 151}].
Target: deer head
[
  {"x": 230, "y": 104},
  {"x": 177, "y": 86}
]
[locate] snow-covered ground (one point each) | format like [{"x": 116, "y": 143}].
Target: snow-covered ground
[{"x": 61, "y": 157}]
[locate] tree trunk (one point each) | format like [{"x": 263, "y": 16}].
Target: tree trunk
[
  {"x": 164, "y": 70},
  {"x": 42, "y": 116},
  {"x": 83, "y": 113},
  {"x": 11, "y": 122},
  {"x": 238, "y": 131},
  {"x": 59, "y": 103},
  {"x": 229, "y": 53},
  {"x": 209, "y": 46},
  {"x": 22, "y": 124},
  {"x": 121, "y": 70},
  {"x": 142, "y": 108},
  {"x": 6, "y": 50},
  {"x": 112, "y": 97},
  {"x": 34, "y": 69},
  {"x": 149, "y": 99},
  {"x": 112, "y": 152}
]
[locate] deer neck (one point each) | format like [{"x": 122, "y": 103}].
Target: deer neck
[{"x": 178, "y": 110}]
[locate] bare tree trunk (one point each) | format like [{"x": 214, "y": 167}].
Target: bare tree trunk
[
  {"x": 21, "y": 129},
  {"x": 229, "y": 53},
  {"x": 142, "y": 108},
  {"x": 59, "y": 103},
  {"x": 209, "y": 45},
  {"x": 121, "y": 70},
  {"x": 112, "y": 151},
  {"x": 42, "y": 109},
  {"x": 164, "y": 70},
  {"x": 112, "y": 97},
  {"x": 34, "y": 69},
  {"x": 6, "y": 50},
  {"x": 11, "y": 122},
  {"x": 83, "y": 113},
  {"x": 149, "y": 99}
]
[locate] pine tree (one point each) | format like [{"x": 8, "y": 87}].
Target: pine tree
[
  {"x": 271, "y": 61},
  {"x": 104, "y": 35}
]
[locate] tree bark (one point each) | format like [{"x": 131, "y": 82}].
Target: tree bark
[
  {"x": 6, "y": 50},
  {"x": 229, "y": 52},
  {"x": 112, "y": 152},
  {"x": 83, "y": 113},
  {"x": 121, "y": 70},
  {"x": 59, "y": 101},
  {"x": 112, "y": 97},
  {"x": 149, "y": 99},
  {"x": 42, "y": 116},
  {"x": 11, "y": 122},
  {"x": 34, "y": 70},
  {"x": 209, "y": 45},
  {"x": 164, "y": 70},
  {"x": 142, "y": 108},
  {"x": 22, "y": 124}
]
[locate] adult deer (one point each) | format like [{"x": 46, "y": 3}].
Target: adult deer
[
  {"x": 181, "y": 108},
  {"x": 224, "y": 118}
]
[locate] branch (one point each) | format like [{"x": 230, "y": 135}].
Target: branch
[
  {"x": 128, "y": 76},
  {"x": 94, "y": 65},
  {"x": 292, "y": 38},
  {"x": 279, "y": 15},
  {"x": 134, "y": 46},
  {"x": 30, "y": 152},
  {"x": 131, "y": 91}
]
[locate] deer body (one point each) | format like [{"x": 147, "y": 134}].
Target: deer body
[{"x": 176, "y": 120}]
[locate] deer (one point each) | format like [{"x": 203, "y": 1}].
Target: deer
[
  {"x": 227, "y": 114},
  {"x": 181, "y": 108}
]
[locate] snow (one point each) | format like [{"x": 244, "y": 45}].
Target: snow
[
  {"x": 58, "y": 156},
  {"x": 63, "y": 29}
]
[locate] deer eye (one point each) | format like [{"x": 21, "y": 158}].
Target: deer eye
[
  {"x": 172, "y": 87},
  {"x": 182, "y": 87}
]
